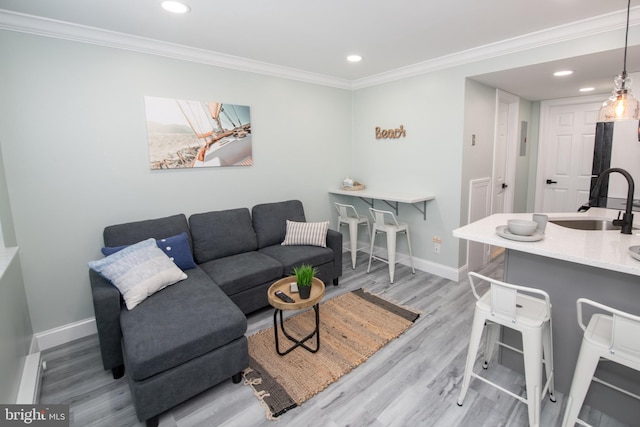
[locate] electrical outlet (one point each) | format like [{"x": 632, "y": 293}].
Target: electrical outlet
[
  {"x": 473, "y": 139},
  {"x": 437, "y": 240}
]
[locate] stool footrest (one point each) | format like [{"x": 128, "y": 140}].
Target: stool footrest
[
  {"x": 501, "y": 344},
  {"x": 510, "y": 393},
  {"x": 385, "y": 260},
  {"x": 621, "y": 390},
  {"x": 499, "y": 387},
  {"x": 517, "y": 350}
]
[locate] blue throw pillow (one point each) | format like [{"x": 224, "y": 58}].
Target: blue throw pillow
[{"x": 176, "y": 247}]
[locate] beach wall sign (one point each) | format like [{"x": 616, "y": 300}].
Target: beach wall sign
[{"x": 390, "y": 133}]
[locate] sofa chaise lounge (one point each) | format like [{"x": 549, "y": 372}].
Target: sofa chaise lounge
[{"x": 189, "y": 336}]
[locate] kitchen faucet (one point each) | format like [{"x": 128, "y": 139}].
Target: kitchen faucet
[{"x": 627, "y": 219}]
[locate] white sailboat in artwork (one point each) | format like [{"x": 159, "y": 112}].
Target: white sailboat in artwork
[{"x": 223, "y": 144}]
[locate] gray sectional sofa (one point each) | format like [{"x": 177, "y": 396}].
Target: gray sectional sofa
[{"x": 190, "y": 336}]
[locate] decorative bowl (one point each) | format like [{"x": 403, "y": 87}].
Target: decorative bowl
[{"x": 522, "y": 227}]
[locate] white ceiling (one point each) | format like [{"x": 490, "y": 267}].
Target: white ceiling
[
  {"x": 316, "y": 36},
  {"x": 536, "y": 82}
]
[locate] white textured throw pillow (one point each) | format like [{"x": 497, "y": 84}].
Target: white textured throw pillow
[
  {"x": 139, "y": 271},
  {"x": 306, "y": 233}
]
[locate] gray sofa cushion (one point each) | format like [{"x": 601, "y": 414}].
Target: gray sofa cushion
[
  {"x": 240, "y": 272},
  {"x": 222, "y": 233},
  {"x": 270, "y": 220},
  {"x": 293, "y": 256},
  {"x": 160, "y": 393},
  {"x": 177, "y": 324},
  {"x": 134, "y": 232}
]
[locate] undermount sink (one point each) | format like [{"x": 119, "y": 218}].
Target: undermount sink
[{"x": 587, "y": 224}]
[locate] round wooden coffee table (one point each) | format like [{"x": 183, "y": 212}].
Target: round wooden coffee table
[{"x": 317, "y": 292}]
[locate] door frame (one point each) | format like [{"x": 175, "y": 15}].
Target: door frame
[
  {"x": 510, "y": 151},
  {"x": 545, "y": 106}
]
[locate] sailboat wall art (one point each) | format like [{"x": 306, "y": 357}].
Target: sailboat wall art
[{"x": 191, "y": 134}]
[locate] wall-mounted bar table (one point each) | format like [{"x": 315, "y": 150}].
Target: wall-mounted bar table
[{"x": 391, "y": 198}]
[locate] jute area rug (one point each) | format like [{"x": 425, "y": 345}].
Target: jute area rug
[{"x": 353, "y": 326}]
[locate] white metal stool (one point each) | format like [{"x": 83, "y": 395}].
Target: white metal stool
[
  {"x": 515, "y": 307},
  {"x": 613, "y": 337},
  {"x": 386, "y": 222},
  {"x": 348, "y": 215}
]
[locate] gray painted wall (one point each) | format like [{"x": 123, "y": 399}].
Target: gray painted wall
[
  {"x": 15, "y": 322},
  {"x": 15, "y": 330},
  {"x": 6, "y": 218},
  {"x": 477, "y": 160},
  {"x": 73, "y": 133},
  {"x": 426, "y": 161},
  {"x": 523, "y": 162},
  {"x": 534, "y": 142}
]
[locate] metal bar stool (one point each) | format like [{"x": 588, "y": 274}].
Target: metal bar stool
[
  {"x": 515, "y": 307},
  {"x": 611, "y": 337},
  {"x": 347, "y": 215},
  {"x": 386, "y": 222}
]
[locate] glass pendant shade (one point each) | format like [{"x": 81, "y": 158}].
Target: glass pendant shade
[{"x": 621, "y": 105}]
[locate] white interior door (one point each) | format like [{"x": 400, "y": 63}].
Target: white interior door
[
  {"x": 504, "y": 150},
  {"x": 478, "y": 254},
  {"x": 565, "y": 156}
]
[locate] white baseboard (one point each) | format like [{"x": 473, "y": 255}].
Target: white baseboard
[
  {"x": 66, "y": 333},
  {"x": 29, "y": 391},
  {"x": 435, "y": 268},
  {"x": 424, "y": 265}
]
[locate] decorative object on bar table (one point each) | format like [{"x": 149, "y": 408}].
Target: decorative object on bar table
[
  {"x": 621, "y": 105},
  {"x": 350, "y": 184},
  {"x": 304, "y": 278}
]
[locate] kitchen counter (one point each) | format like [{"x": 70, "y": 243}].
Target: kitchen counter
[
  {"x": 601, "y": 249},
  {"x": 569, "y": 264}
]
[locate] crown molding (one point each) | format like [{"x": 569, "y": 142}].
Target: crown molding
[
  {"x": 35, "y": 25},
  {"x": 18, "y": 22},
  {"x": 575, "y": 30}
]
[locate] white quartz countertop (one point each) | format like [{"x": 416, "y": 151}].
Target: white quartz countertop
[{"x": 602, "y": 249}]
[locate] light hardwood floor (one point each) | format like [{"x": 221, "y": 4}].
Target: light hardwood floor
[{"x": 413, "y": 381}]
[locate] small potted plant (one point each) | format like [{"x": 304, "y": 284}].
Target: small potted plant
[{"x": 304, "y": 277}]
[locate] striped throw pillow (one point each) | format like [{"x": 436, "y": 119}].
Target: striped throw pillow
[{"x": 306, "y": 233}]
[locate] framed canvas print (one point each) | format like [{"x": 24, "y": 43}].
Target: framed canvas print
[{"x": 189, "y": 134}]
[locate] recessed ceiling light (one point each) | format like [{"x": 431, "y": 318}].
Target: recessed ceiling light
[
  {"x": 587, "y": 89},
  {"x": 563, "y": 73},
  {"x": 354, "y": 58},
  {"x": 175, "y": 6}
]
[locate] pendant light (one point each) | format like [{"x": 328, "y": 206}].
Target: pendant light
[{"x": 621, "y": 105}]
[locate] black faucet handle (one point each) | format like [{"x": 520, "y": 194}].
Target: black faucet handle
[{"x": 618, "y": 221}]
